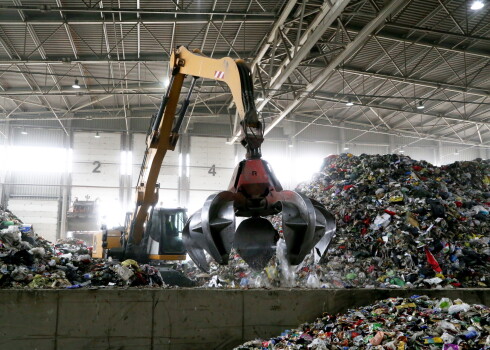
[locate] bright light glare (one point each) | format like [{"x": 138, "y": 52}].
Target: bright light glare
[
  {"x": 477, "y": 5},
  {"x": 180, "y": 164},
  {"x": 305, "y": 167},
  {"x": 111, "y": 213},
  {"x": 38, "y": 159},
  {"x": 281, "y": 168},
  {"x": 126, "y": 162}
]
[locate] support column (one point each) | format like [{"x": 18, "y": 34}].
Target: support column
[
  {"x": 482, "y": 153},
  {"x": 184, "y": 180},
  {"x": 5, "y": 194},
  {"x": 65, "y": 186},
  {"x": 438, "y": 153},
  {"x": 129, "y": 179},
  {"x": 341, "y": 148},
  {"x": 391, "y": 146}
]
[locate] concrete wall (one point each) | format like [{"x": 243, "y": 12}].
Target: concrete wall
[{"x": 175, "y": 319}]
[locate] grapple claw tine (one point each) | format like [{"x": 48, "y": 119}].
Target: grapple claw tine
[
  {"x": 194, "y": 241},
  {"x": 298, "y": 221},
  {"x": 255, "y": 242},
  {"x": 324, "y": 229},
  {"x": 211, "y": 229},
  {"x": 306, "y": 225},
  {"x": 218, "y": 223}
]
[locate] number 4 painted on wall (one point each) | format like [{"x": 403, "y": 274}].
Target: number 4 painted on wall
[{"x": 212, "y": 170}]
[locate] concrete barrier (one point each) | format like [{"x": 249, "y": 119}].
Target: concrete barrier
[{"x": 175, "y": 319}]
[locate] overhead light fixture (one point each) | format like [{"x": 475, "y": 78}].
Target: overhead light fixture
[
  {"x": 97, "y": 135},
  {"x": 260, "y": 97},
  {"x": 420, "y": 105},
  {"x": 76, "y": 86},
  {"x": 456, "y": 152},
  {"x": 346, "y": 148},
  {"x": 24, "y": 131},
  {"x": 165, "y": 82},
  {"x": 401, "y": 150},
  {"x": 477, "y": 5},
  {"x": 349, "y": 103}
]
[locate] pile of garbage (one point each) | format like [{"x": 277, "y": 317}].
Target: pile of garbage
[
  {"x": 404, "y": 223},
  {"x": 401, "y": 223},
  {"x": 29, "y": 261},
  {"x": 394, "y": 324}
]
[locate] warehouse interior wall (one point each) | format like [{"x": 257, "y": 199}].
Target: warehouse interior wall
[{"x": 44, "y": 170}]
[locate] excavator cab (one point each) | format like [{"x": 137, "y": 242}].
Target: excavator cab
[{"x": 164, "y": 234}]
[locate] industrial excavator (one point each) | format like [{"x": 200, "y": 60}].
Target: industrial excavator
[{"x": 254, "y": 191}]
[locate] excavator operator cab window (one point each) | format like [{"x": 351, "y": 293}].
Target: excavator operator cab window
[{"x": 165, "y": 232}]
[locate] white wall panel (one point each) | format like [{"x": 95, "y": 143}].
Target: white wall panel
[
  {"x": 90, "y": 179},
  {"x": 33, "y": 184},
  {"x": 206, "y": 152},
  {"x": 359, "y": 149},
  {"x": 464, "y": 153},
  {"x": 168, "y": 198},
  {"x": 42, "y": 214},
  {"x": 421, "y": 153},
  {"x": 197, "y": 199}
]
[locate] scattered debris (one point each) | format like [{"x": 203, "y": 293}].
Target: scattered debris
[{"x": 395, "y": 324}]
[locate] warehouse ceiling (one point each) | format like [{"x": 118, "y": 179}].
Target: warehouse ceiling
[{"x": 365, "y": 65}]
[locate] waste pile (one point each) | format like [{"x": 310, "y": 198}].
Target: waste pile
[
  {"x": 417, "y": 322},
  {"x": 404, "y": 223},
  {"x": 401, "y": 223},
  {"x": 29, "y": 261}
]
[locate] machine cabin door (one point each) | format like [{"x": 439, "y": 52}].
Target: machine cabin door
[{"x": 165, "y": 234}]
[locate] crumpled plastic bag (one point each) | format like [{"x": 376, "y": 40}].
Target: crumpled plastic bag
[{"x": 124, "y": 272}]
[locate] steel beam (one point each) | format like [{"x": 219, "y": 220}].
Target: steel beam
[
  {"x": 273, "y": 32},
  {"x": 324, "y": 19},
  {"x": 349, "y": 51}
]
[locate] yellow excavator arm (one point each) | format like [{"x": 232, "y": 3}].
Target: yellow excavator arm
[{"x": 164, "y": 132}]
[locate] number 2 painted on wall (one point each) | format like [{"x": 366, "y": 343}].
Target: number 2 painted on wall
[
  {"x": 97, "y": 166},
  {"x": 212, "y": 170}
]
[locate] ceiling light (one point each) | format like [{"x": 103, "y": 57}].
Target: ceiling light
[
  {"x": 349, "y": 103},
  {"x": 477, "y": 5},
  {"x": 346, "y": 148},
  {"x": 97, "y": 135},
  {"x": 24, "y": 131},
  {"x": 260, "y": 99},
  {"x": 456, "y": 152},
  {"x": 401, "y": 150},
  {"x": 420, "y": 105},
  {"x": 76, "y": 86}
]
